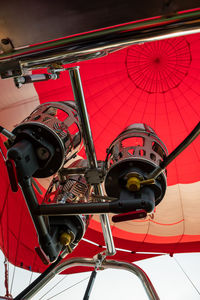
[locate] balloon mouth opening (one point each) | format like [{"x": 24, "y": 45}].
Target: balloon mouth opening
[
  {"x": 157, "y": 60},
  {"x": 158, "y": 67}
]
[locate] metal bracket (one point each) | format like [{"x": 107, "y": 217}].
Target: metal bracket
[
  {"x": 10, "y": 69},
  {"x": 99, "y": 258},
  {"x": 53, "y": 74},
  {"x": 94, "y": 176}
]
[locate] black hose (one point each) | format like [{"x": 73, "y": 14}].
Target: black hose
[{"x": 185, "y": 143}]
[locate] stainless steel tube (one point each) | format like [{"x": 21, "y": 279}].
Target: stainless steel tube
[
  {"x": 105, "y": 40},
  {"x": 89, "y": 262},
  {"x": 101, "y": 48},
  {"x": 90, "y": 150},
  {"x": 83, "y": 116},
  {"x": 105, "y": 224}
]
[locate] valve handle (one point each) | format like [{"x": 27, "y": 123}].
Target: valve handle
[{"x": 134, "y": 183}]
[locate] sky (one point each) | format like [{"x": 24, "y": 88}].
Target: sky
[{"x": 174, "y": 278}]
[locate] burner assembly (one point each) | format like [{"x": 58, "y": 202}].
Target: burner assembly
[
  {"x": 38, "y": 147},
  {"x": 133, "y": 174},
  {"x": 132, "y": 156},
  {"x": 69, "y": 189},
  {"x": 54, "y": 132}
]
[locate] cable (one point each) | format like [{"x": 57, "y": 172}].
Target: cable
[
  {"x": 53, "y": 287},
  {"x": 17, "y": 249},
  {"x": 32, "y": 267},
  {"x": 69, "y": 288},
  {"x": 186, "y": 275}
]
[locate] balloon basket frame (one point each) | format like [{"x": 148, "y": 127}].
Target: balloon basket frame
[{"x": 50, "y": 273}]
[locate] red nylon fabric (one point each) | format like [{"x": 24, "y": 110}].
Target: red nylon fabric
[{"x": 156, "y": 83}]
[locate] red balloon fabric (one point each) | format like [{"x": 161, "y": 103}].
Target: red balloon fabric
[{"x": 156, "y": 83}]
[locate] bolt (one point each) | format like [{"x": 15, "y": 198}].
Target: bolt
[
  {"x": 159, "y": 178},
  {"x": 43, "y": 153}
]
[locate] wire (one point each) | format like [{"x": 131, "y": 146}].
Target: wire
[
  {"x": 53, "y": 287},
  {"x": 1, "y": 151},
  {"x": 186, "y": 275},
  {"x": 13, "y": 276},
  {"x": 69, "y": 288},
  {"x": 32, "y": 267},
  {"x": 17, "y": 249}
]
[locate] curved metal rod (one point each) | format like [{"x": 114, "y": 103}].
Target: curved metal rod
[{"x": 89, "y": 262}]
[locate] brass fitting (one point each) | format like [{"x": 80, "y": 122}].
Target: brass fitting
[
  {"x": 133, "y": 184},
  {"x": 65, "y": 240}
]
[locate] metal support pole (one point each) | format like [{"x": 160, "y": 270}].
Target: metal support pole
[
  {"x": 90, "y": 150},
  {"x": 73, "y": 209},
  {"x": 90, "y": 285},
  {"x": 89, "y": 262},
  {"x": 72, "y": 171},
  {"x": 45, "y": 239},
  {"x": 115, "y": 207}
]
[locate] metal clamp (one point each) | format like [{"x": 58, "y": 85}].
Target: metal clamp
[
  {"x": 94, "y": 176},
  {"x": 99, "y": 258}
]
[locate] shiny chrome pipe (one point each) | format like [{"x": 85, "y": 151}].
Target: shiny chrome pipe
[
  {"x": 90, "y": 150},
  {"x": 100, "y": 42}
]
